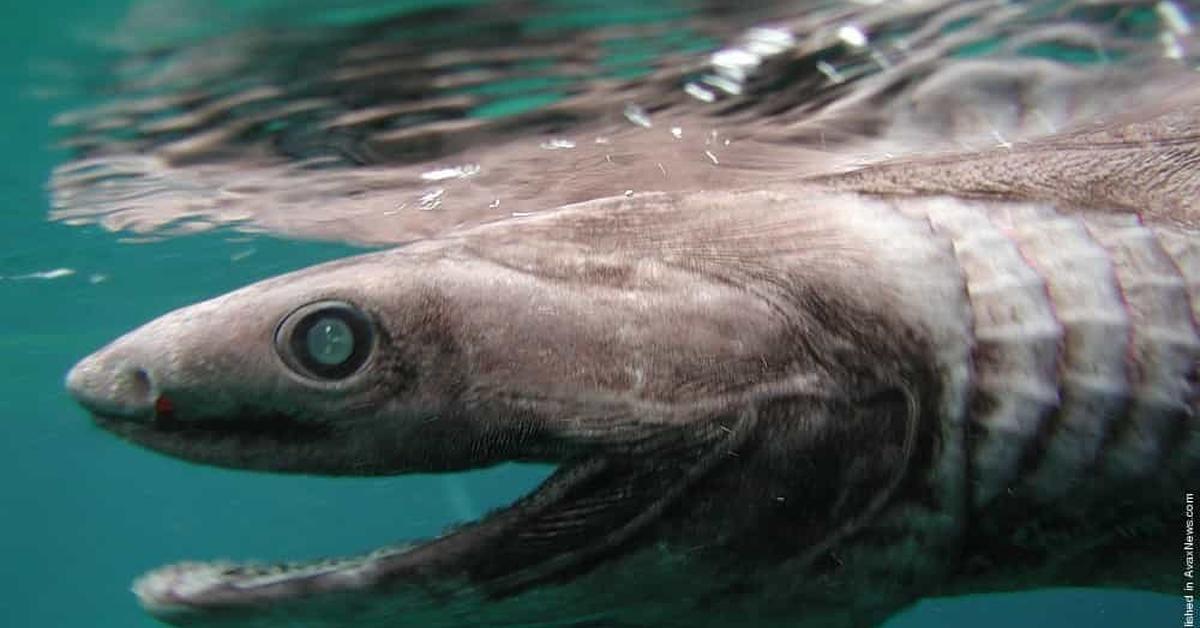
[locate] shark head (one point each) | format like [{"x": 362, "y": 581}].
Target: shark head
[{"x": 728, "y": 404}]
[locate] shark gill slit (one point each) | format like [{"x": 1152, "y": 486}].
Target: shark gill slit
[{"x": 1085, "y": 346}]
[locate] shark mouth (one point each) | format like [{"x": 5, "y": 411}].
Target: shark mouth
[
  {"x": 177, "y": 591},
  {"x": 548, "y": 535},
  {"x": 573, "y": 535},
  {"x": 594, "y": 508},
  {"x": 187, "y": 592}
]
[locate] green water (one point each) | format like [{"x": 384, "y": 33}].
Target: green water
[{"x": 81, "y": 513}]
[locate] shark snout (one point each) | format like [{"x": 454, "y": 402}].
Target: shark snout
[{"x": 113, "y": 386}]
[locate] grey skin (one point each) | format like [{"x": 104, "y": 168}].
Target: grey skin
[
  {"x": 801, "y": 405},
  {"x": 922, "y": 326}
]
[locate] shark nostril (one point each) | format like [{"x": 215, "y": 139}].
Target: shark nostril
[
  {"x": 140, "y": 386},
  {"x": 135, "y": 390}
]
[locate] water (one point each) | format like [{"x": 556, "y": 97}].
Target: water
[{"x": 82, "y": 513}]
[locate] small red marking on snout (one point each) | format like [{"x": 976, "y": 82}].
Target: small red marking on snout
[{"x": 163, "y": 407}]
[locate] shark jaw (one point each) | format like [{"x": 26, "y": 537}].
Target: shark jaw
[{"x": 471, "y": 568}]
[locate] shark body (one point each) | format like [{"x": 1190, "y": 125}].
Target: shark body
[{"x": 803, "y": 401}]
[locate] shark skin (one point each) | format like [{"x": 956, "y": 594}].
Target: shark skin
[
  {"x": 681, "y": 363},
  {"x": 799, "y": 405},
  {"x": 802, "y": 354}
]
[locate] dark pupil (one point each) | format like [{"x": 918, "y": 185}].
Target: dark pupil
[{"x": 331, "y": 343}]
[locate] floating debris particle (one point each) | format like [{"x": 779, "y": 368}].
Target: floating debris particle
[
  {"x": 725, "y": 84},
  {"x": 766, "y": 41},
  {"x": 852, "y": 36},
  {"x": 1174, "y": 17},
  {"x": 1171, "y": 46},
  {"x": 455, "y": 172},
  {"x": 432, "y": 199},
  {"x": 557, "y": 144},
  {"x": 735, "y": 64},
  {"x": 56, "y": 273},
  {"x": 830, "y": 72},
  {"x": 637, "y": 115},
  {"x": 699, "y": 92},
  {"x": 1000, "y": 141}
]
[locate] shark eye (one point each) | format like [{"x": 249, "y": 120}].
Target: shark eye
[{"x": 327, "y": 340}]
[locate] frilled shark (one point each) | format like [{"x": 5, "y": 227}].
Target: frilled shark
[{"x": 875, "y": 304}]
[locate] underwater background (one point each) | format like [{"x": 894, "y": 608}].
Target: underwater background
[{"x": 82, "y": 514}]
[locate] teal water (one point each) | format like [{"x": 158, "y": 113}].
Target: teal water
[{"x": 82, "y": 514}]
